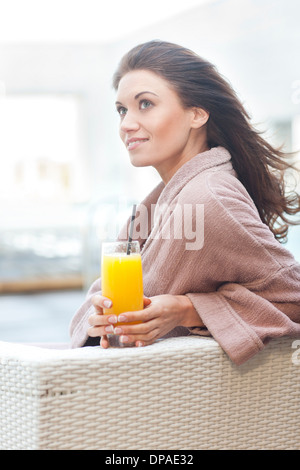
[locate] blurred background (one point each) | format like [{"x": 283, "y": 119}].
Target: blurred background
[{"x": 65, "y": 179}]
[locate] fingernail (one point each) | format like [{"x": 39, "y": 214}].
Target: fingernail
[
  {"x": 112, "y": 319},
  {"x": 109, "y": 329},
  {"x": 124, "y": 339},
  {"x": 118, "y": 330},
  {"x": 107, "y": 303},
  {"x": 122, "y": 318},
  {"x": 139, "y": 344}
]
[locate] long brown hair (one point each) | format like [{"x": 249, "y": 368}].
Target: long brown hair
[{"x": 260, "y": 167}]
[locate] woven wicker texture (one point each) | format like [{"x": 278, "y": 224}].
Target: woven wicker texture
[{"x": 180, "y": 393}]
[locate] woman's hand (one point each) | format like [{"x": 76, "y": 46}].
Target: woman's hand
[
  {"x": 102, "y": 325},
  {"x": 160, "y": 315}
]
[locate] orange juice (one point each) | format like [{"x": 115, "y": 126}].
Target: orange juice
[{"x": 122, "y": 282}]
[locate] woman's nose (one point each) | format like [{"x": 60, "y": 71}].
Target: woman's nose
[{"x": 129, "y": 123}]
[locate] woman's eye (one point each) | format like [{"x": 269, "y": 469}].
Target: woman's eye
[
  {"x": 121, "y": 110},
  {"x": 144, "y": 104}
]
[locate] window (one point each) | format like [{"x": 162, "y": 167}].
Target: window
[
  {"x": 41, "y": 181},
  {"x": 40, "y": 149}
]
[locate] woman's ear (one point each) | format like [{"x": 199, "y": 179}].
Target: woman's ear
[{"x": 200, "y": 117}]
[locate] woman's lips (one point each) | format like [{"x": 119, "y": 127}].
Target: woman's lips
[{"x": 132, "y": 144}]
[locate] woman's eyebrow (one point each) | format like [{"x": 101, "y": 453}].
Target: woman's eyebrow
[
  {"x": 142, "y": 92},
  {"x": 138, "y": 95}
]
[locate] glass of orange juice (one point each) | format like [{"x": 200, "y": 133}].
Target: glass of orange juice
[{"x": 122, "y": 281}]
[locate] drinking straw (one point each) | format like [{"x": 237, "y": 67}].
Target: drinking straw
[{"x": 131, "y": 230}]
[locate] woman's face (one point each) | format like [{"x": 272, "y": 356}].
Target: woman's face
[{"x": 154, "y": 126}]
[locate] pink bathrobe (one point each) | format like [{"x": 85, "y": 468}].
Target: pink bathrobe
[{"x": 243, "y": 283}]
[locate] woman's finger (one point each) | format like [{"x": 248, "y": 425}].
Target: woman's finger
[
  {"x": 141, "y": 316},
  {"x": 104, "y": 342},
  {"x": 97, "y": 319},
  {"x": 144, "y": 338},
  {"x": 100, "y": 302}
]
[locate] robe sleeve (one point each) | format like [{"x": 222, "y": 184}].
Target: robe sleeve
[
  {"x": 243, "y": 320},
  {"x": 79, "y": 324},
  {"x": 257, "y": 296}
]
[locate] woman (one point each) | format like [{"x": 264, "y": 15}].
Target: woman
[{"x": 236, "y": 282}]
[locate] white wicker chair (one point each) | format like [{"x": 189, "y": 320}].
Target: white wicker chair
[{"x": 179, "y": 393}]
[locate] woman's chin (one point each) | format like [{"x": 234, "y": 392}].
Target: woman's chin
[{"x": 138, "y": 163}]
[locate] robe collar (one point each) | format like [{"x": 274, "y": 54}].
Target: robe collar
[{"x": 214, "y": 157}]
